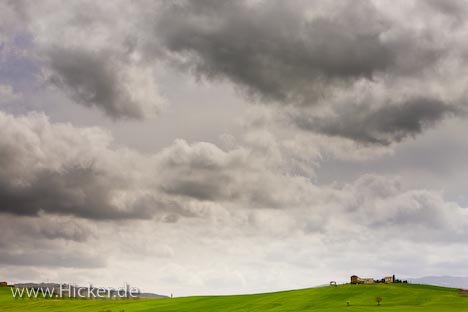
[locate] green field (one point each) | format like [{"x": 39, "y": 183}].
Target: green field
[{"x": 396, "y": 297}]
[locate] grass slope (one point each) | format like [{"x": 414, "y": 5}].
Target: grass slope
[{"x": 397, "y": 297}]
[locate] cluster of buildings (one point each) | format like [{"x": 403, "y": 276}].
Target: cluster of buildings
[{"x": 364, "y": 280}]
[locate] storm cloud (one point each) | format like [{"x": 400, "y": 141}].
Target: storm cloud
[
  {"x": 48, "y": 259},
  {"x": 91, "y": 57},
  {"x": 385, "y": 125},
  {"x": 308, "y": 56},
  {"x": 273, "y": 49},
  {"x": 95, "y": 79},
  {"x": 64, "y": 173}
]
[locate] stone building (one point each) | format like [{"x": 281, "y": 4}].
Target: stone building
[{"x": 364, "y": 280}]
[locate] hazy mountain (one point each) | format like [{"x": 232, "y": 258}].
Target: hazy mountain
[
  {"x": 56, "y": 286},
  {"x": 37, "y": 285},
  {"x": 447, "y": 281},
  {"x": 151, "y": 295}
]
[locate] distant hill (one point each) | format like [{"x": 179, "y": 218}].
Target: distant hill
[
  {"x": 151, "y": 295},
  {"x": 37, "y": 285},
  {"x": 446, "y": 281},
  {"x": 56, "y": 286}
]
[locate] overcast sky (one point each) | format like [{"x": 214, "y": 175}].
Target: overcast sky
[{"x": 218, "y": 147}]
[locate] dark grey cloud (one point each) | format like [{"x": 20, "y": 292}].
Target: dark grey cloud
[
  {"x": 299, "y": 55},
  {"x": 204, "y": 172},
  {"x": 272, "y": 49},
  {"x": 385, "y": 125},
  {"x": 58, "y": 169},
  {"x": 62, "y": 230},
  {"x": 84, "y": 192},
  {"x": 451, "y": 8},
  {"x": 92, "y": 79},
  {"x": 64, "y": 172},
  {"x": 46, "y": 258},
  {"x": 307, "y": 56},
  {"x": 45, "y": 226},
  {"x": 88, "y": 54}
]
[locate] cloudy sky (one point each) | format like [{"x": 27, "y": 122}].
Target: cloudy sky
[{"x": 217, "y": 147}]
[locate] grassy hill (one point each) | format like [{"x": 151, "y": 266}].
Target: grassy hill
[{"x": 396, "y": 297}]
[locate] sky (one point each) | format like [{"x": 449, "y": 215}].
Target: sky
[{"x": 225, "y": 147}]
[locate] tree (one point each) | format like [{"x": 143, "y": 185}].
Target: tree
[{"x": 378, "y": 299}]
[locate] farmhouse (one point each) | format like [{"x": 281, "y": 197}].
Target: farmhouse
[
  {"x": 361, "y": 280},
  {"x": 365, "y": 280}
]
